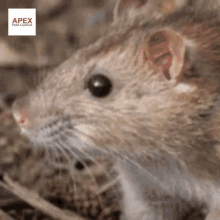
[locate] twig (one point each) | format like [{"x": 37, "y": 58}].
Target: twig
[
  {"x": 106, "y": 187},
  {"x": 37, "y": 202}
]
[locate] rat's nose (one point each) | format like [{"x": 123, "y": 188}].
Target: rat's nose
[{"x": 20, "y": 112}]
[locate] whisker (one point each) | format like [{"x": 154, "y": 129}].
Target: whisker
[
  {"x": 127, "y": 158},
  {"x": 47, "y": 152},
  {"x": 70, "y": 162},
  {"x": 65, "y": 146},
  {"x": 54, "y": 151},
  {"x": 92, "y": 159},
  {"x": 74, "y": 177},
  {"x": 98, "y": 164},
  {"x": 71, "y": 133}
]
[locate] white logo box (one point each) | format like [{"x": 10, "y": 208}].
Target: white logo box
[{"x": 22, "y": 21}]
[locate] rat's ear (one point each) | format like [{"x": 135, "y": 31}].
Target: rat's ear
[
  {"x": 166, "y": 50},
  {"x": 123, "y": 6}
]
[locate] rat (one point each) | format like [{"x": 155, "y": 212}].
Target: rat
[{"x": 146, "y": 94}]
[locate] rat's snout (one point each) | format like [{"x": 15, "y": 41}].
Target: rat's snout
[{"x": 21, "y": 113}]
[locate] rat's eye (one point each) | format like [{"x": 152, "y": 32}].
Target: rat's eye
[{"x": 99, "y": 85}]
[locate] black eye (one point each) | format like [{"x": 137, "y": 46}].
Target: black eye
[{"x": 99, "y": 85}]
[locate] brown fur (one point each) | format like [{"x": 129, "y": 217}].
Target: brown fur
[{"x": 159, "y": 129}]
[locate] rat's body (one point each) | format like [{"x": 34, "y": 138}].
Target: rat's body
[{"x": 157, "y": 112}]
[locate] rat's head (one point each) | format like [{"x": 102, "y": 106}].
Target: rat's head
[{"x": 149, "y": 85}]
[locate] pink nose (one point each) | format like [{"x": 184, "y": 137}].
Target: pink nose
[
  {"x": 20, "y": 111},
  {"x": 22, "y": 116}
]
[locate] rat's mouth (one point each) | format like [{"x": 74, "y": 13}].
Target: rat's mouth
[
  {"x": 55, "y": 132},
  {"x": 62, "y": 135}
]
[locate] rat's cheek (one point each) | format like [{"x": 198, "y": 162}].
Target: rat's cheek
[
  {"x": 84, "y": 132},
  {"x": 197, "y": 96}
]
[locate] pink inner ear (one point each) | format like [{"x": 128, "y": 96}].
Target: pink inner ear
[
  {"x": 166, "y": 50},
  {"x": 164, "y": 62},
  {"x": 161, "y": 57}
]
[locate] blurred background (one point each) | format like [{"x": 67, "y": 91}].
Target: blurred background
[{"x": 63, "y": 26}]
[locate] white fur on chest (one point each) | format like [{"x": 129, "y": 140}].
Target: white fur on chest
[{"x": 143, "y": 187}]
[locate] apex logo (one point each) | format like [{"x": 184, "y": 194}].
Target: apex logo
[{"x": 23, "y": 20}]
